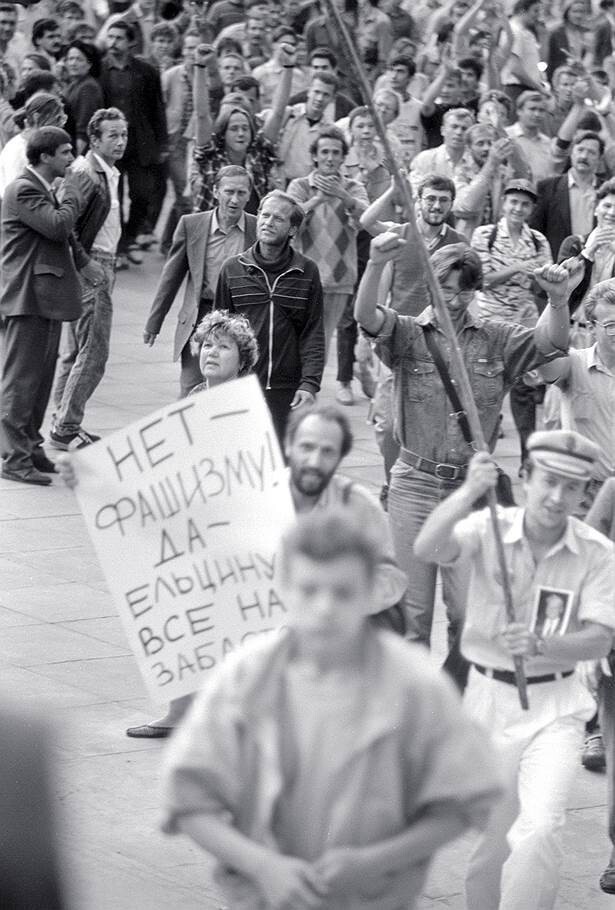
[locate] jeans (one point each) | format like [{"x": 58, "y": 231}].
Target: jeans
[
  {"x": 333, "y": 306},
  {"x": 346, "y": 340},
  {"x": 84, "y": 351},
  {"x": 382, "y": 416},
  {"x": 29, "y": 352},
  {"x": 413, "y": 495},
  {"x": 606, "y": 700}
]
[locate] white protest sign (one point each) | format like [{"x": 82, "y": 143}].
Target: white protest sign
[{"x": 185, "y": 508}]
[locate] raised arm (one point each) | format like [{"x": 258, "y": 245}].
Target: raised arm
[
  {"x": 428, "y": 106},
  {"x": 203, "y": 61},
  {"x": 380, "y": 211},
  {"x": 384, "y": 248},
  {"x": 463, "y": 26},
  {"x": 275, "y": 117},
  {"x": 558, "y": 281}
]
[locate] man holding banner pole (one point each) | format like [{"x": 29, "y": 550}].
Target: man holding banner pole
[{"x": 434, "y": 455}]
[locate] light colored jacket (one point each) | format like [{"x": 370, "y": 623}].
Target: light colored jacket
[{"x": 414, "y": 749}]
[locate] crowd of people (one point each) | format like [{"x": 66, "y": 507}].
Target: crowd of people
[{"x": 232, "y": 137}]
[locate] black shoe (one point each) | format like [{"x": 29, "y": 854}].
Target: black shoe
[
  {"x": 42, "y": 463},
  {"x": 607, "y": 879},
  {"x": 134, "y": 254},
  {"x": 71, "y": 441},
  {"x": 27, "y": 475},
  {"x": 594, "y": 756}
]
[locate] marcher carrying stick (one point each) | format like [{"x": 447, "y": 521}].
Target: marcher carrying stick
[{"x": 457, "y": 363}]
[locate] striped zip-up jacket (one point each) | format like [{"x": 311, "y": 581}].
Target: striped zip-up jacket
[{"x": 286, "y": 315}]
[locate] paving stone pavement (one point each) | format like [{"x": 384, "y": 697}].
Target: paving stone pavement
[{"x": 63, "y": 652}]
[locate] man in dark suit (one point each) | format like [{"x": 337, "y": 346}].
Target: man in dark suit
[
  {"x": 566, "y": 203},
  {"x": 39, "y": 290},
  {"x": 596, "y": 250},
  {"x": 133, "y": 86},
  {"x": 201, "y": 243}
]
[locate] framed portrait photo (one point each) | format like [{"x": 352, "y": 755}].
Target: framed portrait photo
[{"x": 551, "y": 611}]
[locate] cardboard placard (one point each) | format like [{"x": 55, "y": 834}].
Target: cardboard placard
[{"x": 185, "y": 508}]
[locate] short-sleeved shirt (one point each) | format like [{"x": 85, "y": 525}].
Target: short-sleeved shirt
[
  {"x": 581, "y": 565},
  {"x": 495, "y": 354},
  {"x": 296, "y": 136},
  {"x": 513, "y": 299},
  {"x": 588, "y": 403},
  {"x": 438, "y": 161}
]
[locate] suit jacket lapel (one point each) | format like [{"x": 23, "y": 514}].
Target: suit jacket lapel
[{"x": 197, "y": 249}]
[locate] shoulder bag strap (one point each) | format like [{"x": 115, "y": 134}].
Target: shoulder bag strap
[{"x": 447, "y": 382}]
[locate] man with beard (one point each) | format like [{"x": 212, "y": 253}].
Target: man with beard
[
  {"x": 316, "y": 442},
  {"x": 406, "y": 295}
]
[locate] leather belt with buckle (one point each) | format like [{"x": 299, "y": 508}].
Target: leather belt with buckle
[
  {"x": 507, "y": 676},
  {"x": 438, "y": 469}
]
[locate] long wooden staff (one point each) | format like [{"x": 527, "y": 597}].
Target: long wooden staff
[{"x": 444, "y": 319}]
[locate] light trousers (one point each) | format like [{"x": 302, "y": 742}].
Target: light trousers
[{"x": 516, "y": 864}]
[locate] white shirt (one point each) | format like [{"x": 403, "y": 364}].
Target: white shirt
[
  {"x": 108, "y": 237},
  {"x": 13, "y": 161}
]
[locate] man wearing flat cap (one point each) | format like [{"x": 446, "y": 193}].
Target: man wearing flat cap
[
  {"x": 510, "y": 252},
  {"x": 548, "y": 551}
]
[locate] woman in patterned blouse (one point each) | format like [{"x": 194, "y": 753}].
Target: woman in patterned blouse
[{"x": 233, "y": 138}]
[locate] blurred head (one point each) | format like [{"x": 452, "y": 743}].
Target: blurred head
[
  {"x": 163, "y": 39},
  {"x": 479, "y": 139},
  {"x": 605, "y": 205},
  {"x": 120, "y": 36},
  {"x": 328, "y": 151},
  {"x": 471, "y": 71},
  {"x": 190, "y": 42},
  {"x": 230, "y": 66},
  {"x": 401, "y": 69},
  {"x": 32, "y": 62},
  {"x": 455, "y": 125},
  {"x": 322, "y": 60},
  {"x": 81, "y": 60},
  {"x": 578, "y": 13},
  {"x": 361, "y": 125},
  {"x": 320, "y": 93},
  {"x": 47, "y": 37},
  {"x": 70, "y": 12},
  {"x": 40, "y": 81},
  {"x": 563, "y": 81},
  {"x": 495, "y": 108},
  {"x": 8, "y": 22},
  {"x": 436, "y": 195},
  {"x": 586, "y": 152},
  {"x": 600, "y": 302},
  {"x": 51, "y": 148},
  {"x": 44, "y": 109},
  {"x": 529, "y": 11},
  {"x": 450, "y": 93},
  {"x": 386, "y": 103},
  {"x": 328, "y": 568},
  {"x": 108, "y": 133},
  {"x": 255, "y": 29},
  {"x": 225, "y": 345},
  {"x": 316, "y": 441},
  {"x": 531, "y": 109}
]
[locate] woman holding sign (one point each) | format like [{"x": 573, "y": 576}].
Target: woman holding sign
[{"x": 227, "y": 349}]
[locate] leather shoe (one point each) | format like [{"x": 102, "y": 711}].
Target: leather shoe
[
  {"x": 42, "y": 463},
  {"x": 607, "y": 879},
  {"x": 594, "y": 757},
  {"x": 27, "y": 475}
]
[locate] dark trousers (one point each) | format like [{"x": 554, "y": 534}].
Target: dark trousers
[
  {"x": 141, "y": 191},
  {"x": 346, "y": 341},
  {"x": 161, "y": 173},
  {"x": 29, "y": 353},
  {"x": 523, "y": 408},
  {"x": 278, "y": 402}
]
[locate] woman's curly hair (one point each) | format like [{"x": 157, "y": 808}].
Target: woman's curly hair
[{"x": 221, "y": 322}]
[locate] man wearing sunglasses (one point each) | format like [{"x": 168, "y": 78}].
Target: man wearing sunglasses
[{"x": 586, "y": 381}]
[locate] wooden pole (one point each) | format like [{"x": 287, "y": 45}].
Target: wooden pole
[{"x": 457, "y": 362}]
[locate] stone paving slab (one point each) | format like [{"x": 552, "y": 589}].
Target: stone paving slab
[{"x": 62, "y": 649}]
